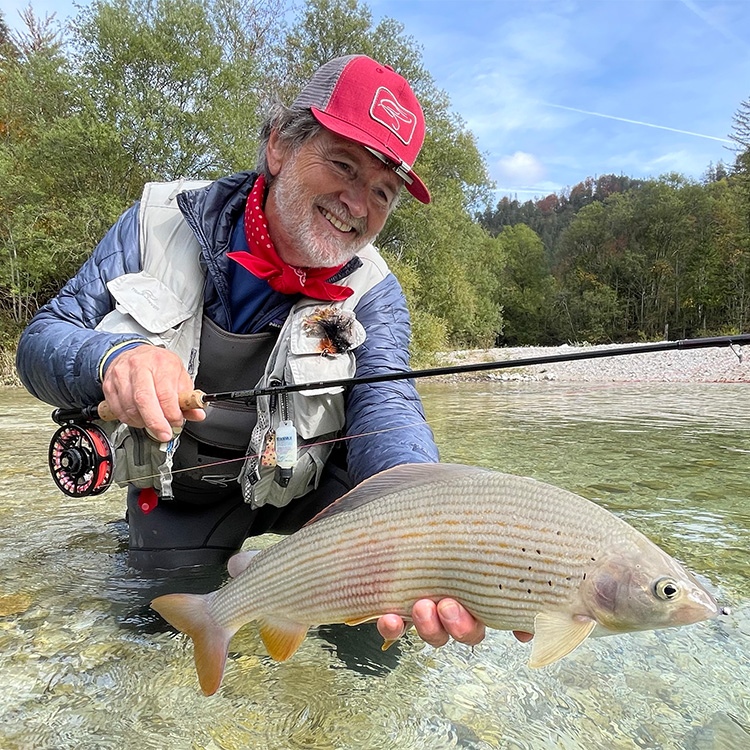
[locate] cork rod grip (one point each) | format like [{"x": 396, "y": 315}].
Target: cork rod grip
[{"x": 192, "y": 400}]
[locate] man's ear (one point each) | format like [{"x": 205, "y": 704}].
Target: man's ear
[{"x": 275, "y": 153}]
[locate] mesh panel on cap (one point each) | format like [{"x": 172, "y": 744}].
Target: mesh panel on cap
[{"x": 318, "y": 92}]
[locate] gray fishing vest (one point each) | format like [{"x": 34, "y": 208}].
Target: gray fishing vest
[
  {"x": 163, "y": 304},
  {"x": 211, "y": 453}
]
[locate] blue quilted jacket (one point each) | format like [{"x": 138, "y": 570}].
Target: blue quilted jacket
[{"x": 60, "y": 352}]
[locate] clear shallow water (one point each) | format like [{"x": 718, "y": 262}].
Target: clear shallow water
[{"x": 672, "y": 460}]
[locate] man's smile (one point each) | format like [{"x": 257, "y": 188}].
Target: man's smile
[{"x": 340, "y": 225}]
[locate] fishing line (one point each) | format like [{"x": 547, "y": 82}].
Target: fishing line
[
  {"x": 82, "y": 463},
  {"x": 76, "y": 478}
]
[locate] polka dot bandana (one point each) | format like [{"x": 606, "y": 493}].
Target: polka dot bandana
[{"x": 264, "y": 262}]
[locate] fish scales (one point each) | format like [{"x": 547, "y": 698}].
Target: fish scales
[
  {"x": 412, "y": 537},
  {"x": 517, "y": 553}
]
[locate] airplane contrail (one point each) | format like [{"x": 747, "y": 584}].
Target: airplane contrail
[
  {"x": 711, "y": 21},
  {"x": 638, "y": 122}
]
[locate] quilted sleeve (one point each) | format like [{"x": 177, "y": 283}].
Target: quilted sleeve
[
  {"x": 59, "y": 352},
  {"x": 385, "y": 421}
]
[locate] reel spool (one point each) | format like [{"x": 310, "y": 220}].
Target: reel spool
[{"x": 80, "y": 460}]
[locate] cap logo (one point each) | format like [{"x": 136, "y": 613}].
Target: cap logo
[{"x": 386, "y": 110}]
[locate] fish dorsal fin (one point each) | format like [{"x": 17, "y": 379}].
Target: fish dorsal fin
[
  {"x": 282, "y": 637},
  {"x": 240, "y": 562},
  {"x": 556, "y": 635},
  {"x": 397, "y": 479}
]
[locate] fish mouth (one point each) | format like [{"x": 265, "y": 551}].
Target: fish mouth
[{"x": 700, "y": 605}]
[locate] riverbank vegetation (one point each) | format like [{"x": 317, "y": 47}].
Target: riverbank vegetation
[{"x": 133, "y": 90}]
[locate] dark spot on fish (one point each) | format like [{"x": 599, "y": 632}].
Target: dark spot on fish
[
  {"x": 523, "y": 549},
  {"x": 530, "y": 568},
  {"x": 549, "y": 582},
  {"x": 584, "y": 576},
  {"x": 559, "y": 532},
  {"x": 522, "y": 580},
  {"x": 539, "y": 552},
  {"x": 528, "y": 591},
  {"x": 593, "y": 559},
  {"x": 500, "y": 586}
]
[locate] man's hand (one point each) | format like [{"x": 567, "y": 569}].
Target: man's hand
[
  {"x": 437, "y": 622},
  {"x": 141, "y": 387}
]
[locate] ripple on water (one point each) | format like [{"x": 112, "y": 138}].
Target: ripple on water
[{"x": 81, "y": 667}]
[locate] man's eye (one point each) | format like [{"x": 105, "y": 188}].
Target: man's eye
[{"x": 343, "y": 166}]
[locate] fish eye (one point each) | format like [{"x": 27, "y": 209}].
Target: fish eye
[{"x": 666, "y": 588}]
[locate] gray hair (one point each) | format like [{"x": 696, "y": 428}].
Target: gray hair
[{"x": 295, "y": 126}]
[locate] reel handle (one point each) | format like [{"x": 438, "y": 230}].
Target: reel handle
[{"x": 192, "y": 400}]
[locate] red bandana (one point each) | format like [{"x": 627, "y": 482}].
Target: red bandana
[{"x": 265, "y": 262}]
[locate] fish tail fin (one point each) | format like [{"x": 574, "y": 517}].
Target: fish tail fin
[{"x": 190, "y": 614}]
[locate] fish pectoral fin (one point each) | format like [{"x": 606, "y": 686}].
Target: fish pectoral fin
[
  {"x": 556, "y": 635},
  {"x": 361, "y": 620},
  {"x": 240, "y": 562},
  {"x": 190, "y": 613},
  {"x": 282, "y": 637}
]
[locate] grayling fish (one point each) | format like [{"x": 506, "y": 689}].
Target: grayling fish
[{"x": 517, "y": 553}]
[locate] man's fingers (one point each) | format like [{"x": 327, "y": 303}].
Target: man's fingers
[
  {"x": 142, "y": 387},
  {"x": 391, "y": 627},
  {"x": 428, "y": 625},
  {"x": 460, "y": 625},
  {"x": 438, "y": 622}
]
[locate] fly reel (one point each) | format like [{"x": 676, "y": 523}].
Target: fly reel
[{"x": 80, "y": 459}]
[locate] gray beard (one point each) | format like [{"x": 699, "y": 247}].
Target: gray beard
[{"x": 318, "y": 254}]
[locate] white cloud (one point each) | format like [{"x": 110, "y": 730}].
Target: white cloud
[{"x": 520, "y": 169}]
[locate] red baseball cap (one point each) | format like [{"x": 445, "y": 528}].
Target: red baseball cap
[{"x": 359, "y": 99}]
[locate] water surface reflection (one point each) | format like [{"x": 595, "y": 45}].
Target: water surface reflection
[{"x": 672, "y": 460}]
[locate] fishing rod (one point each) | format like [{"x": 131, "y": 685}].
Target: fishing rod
[{"x": 80, "y": 456}]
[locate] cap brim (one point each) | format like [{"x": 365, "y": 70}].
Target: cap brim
[{"x": 346, "y": 130}]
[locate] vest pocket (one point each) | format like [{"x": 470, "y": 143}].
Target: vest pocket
[
  {"x": 305, "y": 478},
  {"x": 320, "y": 352},
  {"x": 146, "y": 306}
]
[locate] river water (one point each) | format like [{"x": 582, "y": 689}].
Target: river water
[{"x": 670, "y": 459}]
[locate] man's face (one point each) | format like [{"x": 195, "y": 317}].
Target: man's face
[{"x": 328, "y": 199}]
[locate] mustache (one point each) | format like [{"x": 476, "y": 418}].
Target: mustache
[{"x": 340, "y": 211}]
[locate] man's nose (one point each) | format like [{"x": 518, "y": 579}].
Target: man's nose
[{"x": 354, "y": 197}]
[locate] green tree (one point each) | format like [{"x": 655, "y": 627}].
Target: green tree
[
  {"x": 179, "y": 79},
  {"x": 592, "y": 266},
  {"x": 58, "y": 169},
  {"x": 527, "y": 288}
]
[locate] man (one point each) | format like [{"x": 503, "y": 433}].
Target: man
[{"x": 265, "y": 278}]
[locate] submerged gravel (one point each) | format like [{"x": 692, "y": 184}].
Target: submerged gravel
[{"x": 722, "y": 364}]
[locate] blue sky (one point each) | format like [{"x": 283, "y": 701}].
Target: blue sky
[{"x": 559, "y": 90}]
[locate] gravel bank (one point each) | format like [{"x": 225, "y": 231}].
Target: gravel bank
[{"x": 715, "y": 365}]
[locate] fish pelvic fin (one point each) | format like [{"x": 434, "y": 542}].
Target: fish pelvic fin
[
  {"x": 240, "y": 562},
  {"x": 556, "y": 635},
  {"x": 281, "y": 637},
  {"x": 189, "y": 613}
]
